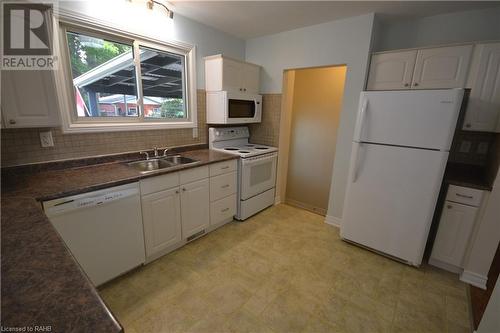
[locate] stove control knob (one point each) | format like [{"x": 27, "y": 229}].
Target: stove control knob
[{"x": 217, "y": 133}]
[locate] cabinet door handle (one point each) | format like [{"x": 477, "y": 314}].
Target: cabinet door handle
[
  {"x": 244, "y": 89},
  {"x": 12, "y": 121},
  {"x": 225, "y": 167},
  {"x": 241, "y": 89},
  {"x": 468, "y": 125},
  {"x": 224, "y": 210},
  {"x": 406, "y": 84},
  {"x": 415, "y": 84},
  {"x": 177, "y": 191},
  {"x": 184, "y": 189},
  {"x": 464, "y": 196},
  {"x": 225, "y": 186}
]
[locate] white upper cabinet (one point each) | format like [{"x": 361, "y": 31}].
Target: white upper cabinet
[
  {"x": 442, "y": 67},
  {"x": 391, "y": 71},
  {"x": 29, "y": 99},
  {"x": 483, "y": 109},
  {"x": 432, "y": 68},
  {"x": 222, "y": 73}
]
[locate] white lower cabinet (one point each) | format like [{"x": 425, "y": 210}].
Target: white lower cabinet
[
  {"x": 161, "y": 216},
  {"x": 223, "y": 187},
  {"x": 180, "y": 206},
  {"x": 195, "y": 214},
  {"x": 455, "y": 227}
]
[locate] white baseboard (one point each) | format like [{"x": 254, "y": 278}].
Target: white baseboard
[
  {"x": 474, "y": 279},
  {"x": 445, "y": 266},
  {"x": 333, "y": 221}
]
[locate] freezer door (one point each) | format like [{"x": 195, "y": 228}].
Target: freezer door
[
  {"x": 391, "y": 196},
  {"x": 421, "y": 118}
]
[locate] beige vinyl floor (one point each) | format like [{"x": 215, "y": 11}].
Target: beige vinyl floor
[{"x": 285, "y": 270}]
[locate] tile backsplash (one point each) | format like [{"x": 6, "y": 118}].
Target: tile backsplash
[
  {"x": 267, "y": 132},
  {"x": 22, "y": 146},
  {"x": 474, "y": 148}
]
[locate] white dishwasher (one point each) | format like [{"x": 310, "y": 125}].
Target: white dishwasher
[{"x": 103, "y": 230}]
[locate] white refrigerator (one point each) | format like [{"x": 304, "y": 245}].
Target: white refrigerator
[{"x": 399, "y": 152}]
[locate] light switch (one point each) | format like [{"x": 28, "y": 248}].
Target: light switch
[
  {"x": 482, "y": 148},
  {"x": 465, "y": 146},
  {"x": 46, "y": 139}
]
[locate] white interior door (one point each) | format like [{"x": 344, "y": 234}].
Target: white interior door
[
  {"x": 425, "y": 119},
  {"x": 391, "y": 198},
  {"x": 390, "y": 71}
]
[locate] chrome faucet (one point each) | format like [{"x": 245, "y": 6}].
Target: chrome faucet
[
  {"x": 155, "y": 149},
  {"x": 165, "y": 151},
  {"x": 144, "y": 153}
]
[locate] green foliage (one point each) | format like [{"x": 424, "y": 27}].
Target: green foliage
[
  {"x": 173, "y": 108},
  {"x": 86, "y": 57}
]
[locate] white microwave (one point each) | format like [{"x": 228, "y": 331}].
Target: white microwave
[{"x": 225, "y": 107}]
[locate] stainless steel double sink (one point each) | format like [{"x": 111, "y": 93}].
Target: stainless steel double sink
[{"x": 161, "y": 163}]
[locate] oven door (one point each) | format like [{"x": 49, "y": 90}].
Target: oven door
[{"x": 258, "y": 174}]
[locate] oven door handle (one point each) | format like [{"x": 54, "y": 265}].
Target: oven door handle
[{"x": 258, "y": 159}]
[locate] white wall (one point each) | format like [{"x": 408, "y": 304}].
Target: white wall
[
  {"x": 485, "y": 241},
  {"x": 338, "y": 42},
  {"x": 440, "y": 29},
  {"x": 490, "y": 323},
  {"x": 136, "y": 18}
]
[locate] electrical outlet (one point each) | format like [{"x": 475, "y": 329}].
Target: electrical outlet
[
  {"x": 465, "y": 146},
  {"x": 195, "y": 133},
  {"x": 482, "y": 148},
  {"x": 46, "y": 139}
]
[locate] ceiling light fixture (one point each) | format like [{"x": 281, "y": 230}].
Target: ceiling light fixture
[{"x": 151, "y": 4}]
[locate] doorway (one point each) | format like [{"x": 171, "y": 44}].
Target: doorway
[{"x": 312, "y": 102}]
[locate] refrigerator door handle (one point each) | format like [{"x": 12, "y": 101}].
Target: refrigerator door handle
[
  {"x": 355, "y": 154},
  {"x": 360, "y": 120}
]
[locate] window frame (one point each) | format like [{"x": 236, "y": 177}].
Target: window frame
[{"x": 71, "y": 123}]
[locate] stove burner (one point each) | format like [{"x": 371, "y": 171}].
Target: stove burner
[
  {"x": 243, "y": 152},
  {"x": 231, "y": 148},
  {"x": 261, "y": 148}
]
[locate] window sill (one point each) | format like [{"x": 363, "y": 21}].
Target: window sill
[{"x": 123, "y": 127}]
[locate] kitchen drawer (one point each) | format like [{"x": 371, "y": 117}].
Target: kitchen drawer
[
  {"x": 194, "y": 174},
  {"x": 464, "y": 195},
  {"x": 222, "y": 186},
  {"x": 222, "y": 210},
  {"x": 159, "y": 183},
  {"x": 222, "y": 167}
]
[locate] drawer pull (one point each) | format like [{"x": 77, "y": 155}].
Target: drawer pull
[
  {"x": 464, "y": 196},
  {"x": 224, "y": 210},
  {"x": 225, "y": 167},
  {"x": 225, "y": 186}
]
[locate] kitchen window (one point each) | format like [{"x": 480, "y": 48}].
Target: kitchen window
[{"x": 119, "y": 82}]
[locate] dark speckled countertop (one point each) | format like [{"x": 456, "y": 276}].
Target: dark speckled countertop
[{"x": 42, "y": 284}]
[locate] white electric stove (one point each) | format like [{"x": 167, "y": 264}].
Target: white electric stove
[{"x": 256, "y": 168}]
